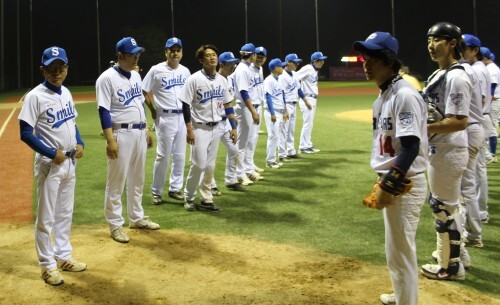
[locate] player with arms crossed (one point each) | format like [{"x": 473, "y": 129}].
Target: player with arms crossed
[
  {"x": 204, "y": 93},
  {"x": 49, "y": 112},
  {"x": 123, "y": 121},
  {"x": 399, "y": 153},
  {"x": 166, "y": 80},
  {"x": 448, "y": 95}
]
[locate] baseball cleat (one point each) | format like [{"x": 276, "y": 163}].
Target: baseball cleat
[
  {"x": 215, "y": 192},
  {"x": 435, "y": 272},
  {"x": 120, "y": 235},
  {"x": 388, "y": 299},
  {"x": 473, "y": 243},
  {"x": 235, "y": 187},
  {"x": 245, "y": 181},
  {"x": 295, "y": 156},
  {"x": 306, "y": 151},
  {"x": 258, "y": 169},
  {"x": 209, "y": 206},
  {"x": 255, "y": 176},
  {"x": 156, "y": 199},
  {"x": 190, "y": 206},
  {"x": 273, "y": 165},
  {"x": 485, "y": 220},
  {"x": 285, "y": 159},
  {"x": 52, "y": 277},
  {"x": 71, "y": 265},
  {"x": 176, "y": 195},
  {"x": 145, "y": 223},
  {"x": 314, "y": 149}
]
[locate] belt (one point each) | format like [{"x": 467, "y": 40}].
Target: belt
[
  {"x": 172, "y": 110},
  {"x": 211, "y": 124},
  {"x": 70, "y": 153},
  {"x": 293, "y": 103},
  {"x": 282, "y": 111},
  {"x": 311, "y": 95},
  {"x": 224, "y": 118},
  {"x": 381, "y": 175},
  {"x": 486, "y": 113},
  {"x": 473, "y": 123},
  {"x": 256, "y": 106},
  {"x": 140, "y": 126}
]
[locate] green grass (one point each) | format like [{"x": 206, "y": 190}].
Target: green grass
[{"x": 314, "y": 202}]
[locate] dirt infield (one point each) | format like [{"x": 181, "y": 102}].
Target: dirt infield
[{"x": 175, "y": 267}]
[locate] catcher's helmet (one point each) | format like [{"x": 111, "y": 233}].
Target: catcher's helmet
[{"x": 445, "y": 29}]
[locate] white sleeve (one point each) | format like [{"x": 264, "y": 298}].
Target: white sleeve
[
  {"x": 410, "y": 112},
  {"x": 302, "y": 73},
  {"x": 29, "y": 111},
  {"x": 458, "y": 93},
  {"x": 103, "y": 92},
  {"x": 228, "y": 96},
  {"x": 242, "y": 80},
  {"x": 147, "y": 82},
  {"x": 187, "y": 91}
]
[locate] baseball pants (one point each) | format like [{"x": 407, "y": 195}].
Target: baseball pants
[
  {"x": 482, "y": 183},
  {"x": 252, "y": 144},
  {"x": 171, "y": 138},
  {"x": 56, "y": 194},
  {"x": 308, "y": 119},
  {"x": 203, "y": 157},
  {"x": 495, "y": 114},
  {"x": 290, "y": 129},
  {"x": 475, "y": 135},
  {"x": 401, "y": 222},
  {"x": 127, "y": 168},
  {"x": 275, "y": 134},
  {"x": 231, "y": 157},
  {"x": 246, "y": 128}
]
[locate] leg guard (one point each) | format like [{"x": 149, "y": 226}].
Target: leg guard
[{"x": 448, "y": 237}]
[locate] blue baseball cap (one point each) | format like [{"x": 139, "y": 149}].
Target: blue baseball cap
[
  {"x": 293, "y": 57},
  {"x": 227, "y": 57},
  {"x": 486, "y": 52},
  {"x": 128, "y": 45},
  {"x": 377, "y": 41},
  {"x": 261, "y": 50},
  {"x": 53, "y": 53},
  {"x": 471, "y": 41},
  {"x": 172, "y": 42},
  {"x": 276, "y": 62},
  {"x": 492, "y": 56},
  {"x": 247, "y": 49},
  {"x": 318, "y": 56}
]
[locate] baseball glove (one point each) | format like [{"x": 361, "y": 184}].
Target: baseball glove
[{"x": 380, "y": 197}]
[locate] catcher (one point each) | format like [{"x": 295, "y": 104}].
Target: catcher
[{"x": 398, "y": 156}]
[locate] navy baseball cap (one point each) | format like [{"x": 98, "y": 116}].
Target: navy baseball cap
[
  {"x": 247, "y": 49},
  {"x": 293, "y": 57},
  {"x": 128, "y": 45},
  {"x": 261, "y": 50},
  {"x": 486, "y": 52},
  {"x": 276, "y": 62},
  {"x": 227, "y": 57},
  {"x": 318, "y": 56},
  {"x": 53, "y": 53},
  {"x": 377, "y": 41},
  {"x": 471, "y": 41},
  {"x": 172, "y": 42}
]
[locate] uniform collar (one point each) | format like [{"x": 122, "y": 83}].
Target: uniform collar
[{"x": 52, "y": 87}]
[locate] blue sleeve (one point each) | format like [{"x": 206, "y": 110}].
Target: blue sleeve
[
  {"x": 284, "y": 99},
  {"x": 105, "y": 117},
  {"x": 78, "y": 137},
  {"x": 493, "y": 87},
  {"x": 186, "y": 112},
  {"x": 410, "y": 145},
  {"x": 29, "y": 138},
  {"x": 244, "y": 95},
  {"x": 301, "y": 94},
  {"x": 269, "y": 101}
]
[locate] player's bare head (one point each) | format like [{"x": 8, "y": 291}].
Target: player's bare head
[
  {"x": 206, "y": 48},
  {"x": 380, "y": 45},
  {"x": 449, "y": 32}
]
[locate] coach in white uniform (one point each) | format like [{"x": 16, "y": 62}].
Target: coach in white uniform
[
  {"x": 308, "y": 77},
  {"x": 399, "y": 151},
  {"x": 48, "y": 125},
  {"x": 494, "y": 72},
  {"x": 166, "y": 80},
  {"x": 123, "y": 120},
  {"x": 204, "y": 93}
]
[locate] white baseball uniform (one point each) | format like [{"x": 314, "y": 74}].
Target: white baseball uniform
[
  {"x": 244, "y": 79},
  {"x": 52, "y": 117},
  {"x": 494, "y": 72},
  {"x": 124, "y": 99},
  {"x": 290, "y": 86},
  {"x": 308, "y": 76},
  {"x": 276, "y": 135},
  {"x": 206, "y": 96},
  {"x": 398, "y": 112},
  {"x": 257, "y": 101},
  {"x": 166, "y": 84}
]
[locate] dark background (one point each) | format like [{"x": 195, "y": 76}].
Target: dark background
[{"x": 281, "y": 26}]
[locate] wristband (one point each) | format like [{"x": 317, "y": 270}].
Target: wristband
[{"x": 232, "y": 121}]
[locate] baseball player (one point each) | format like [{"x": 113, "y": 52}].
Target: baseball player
[
  {"x": 448, "y": 95},
  {"x": 494, "y": 72},
  {"x": 275, "y": 113},
  {"x": 292, "y": 91},
  {"x": 308, "y": 76},
  {"x": 48, "y": 125},
  {"x": 165, "y": 80},
  {"x": 245, "y": 90},
  {"x": 399, "y": 152},
  {"x": 204, "y": 95},
  {"x": 123, "y": 121}
]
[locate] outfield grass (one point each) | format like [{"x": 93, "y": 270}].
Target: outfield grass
[{"x": 314, "y": 202}]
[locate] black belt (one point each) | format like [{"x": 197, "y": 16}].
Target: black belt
[
  {"x": 486, "y": 113},
  {"x": 224, "y": 118},
  {"x": 211, "y": 124},
  {"x": 70, "y": 153},
  {"x": 256, "y": 106},
  {"x": 381, "y": 175},
  {"x": 473, "y": 123},
  {"x": 311, "y": 95},
  {"x": 130, "y": 126},
  {"x": 293, "y": 103},
  {"x": 172, "y": 110}
]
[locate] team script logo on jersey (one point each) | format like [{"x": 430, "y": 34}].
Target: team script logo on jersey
[
  {"x": 60, "y": 116},
  {"x": 126, "y": 97},
  {"x": 204, "y": 96},
  {"x": 406, "y": 118},
  {"x": 167, "y": 84}
]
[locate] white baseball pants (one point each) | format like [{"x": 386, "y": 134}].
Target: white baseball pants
[
  {"x": 275, "y": 134},
  {"x": 253, "y": 138},
  {"x": 495, "y": 114},
  {"x": 290, "y": 129},
  {"x": 245, "y": 129},
  {"x": 307, "y": 124},
  {"x": 231, "y": 157}
]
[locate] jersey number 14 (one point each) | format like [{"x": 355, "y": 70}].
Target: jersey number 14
[{"x": 386, "y": 146}]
